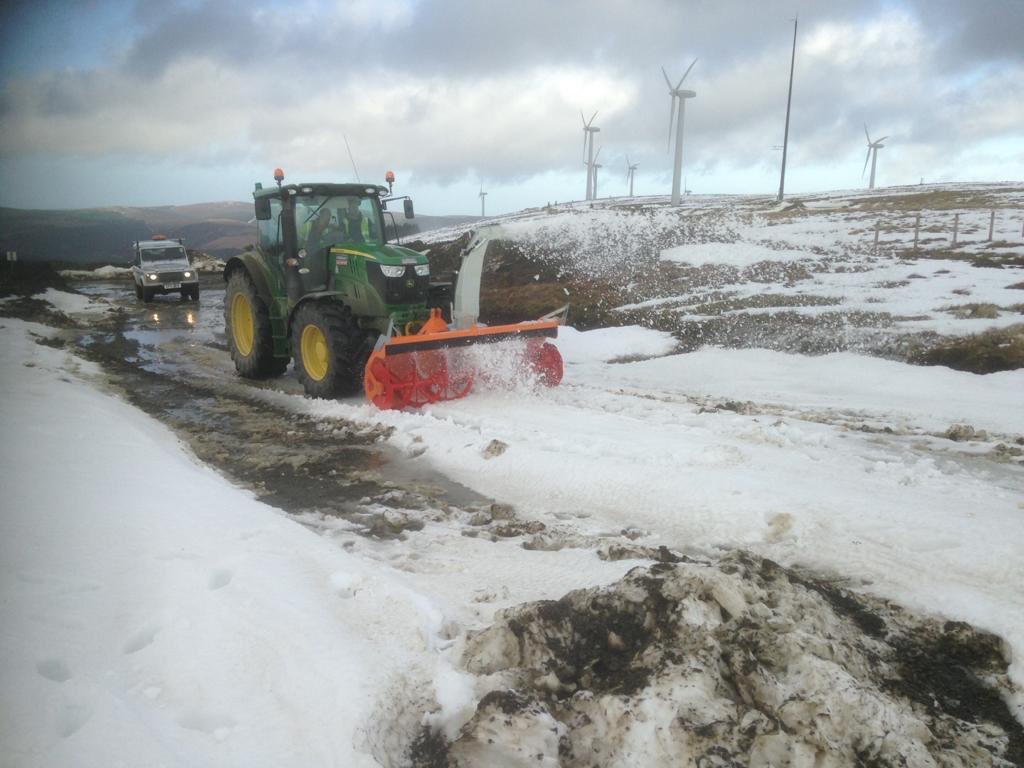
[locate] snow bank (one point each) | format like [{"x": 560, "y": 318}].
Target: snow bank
[
  {"x": 101, "y": 273},
  {"x": 929, "y": 398},
  {"x": 155, "y": 615},
  {"x": 73, "y": 303},
  {"x": 605, "y": 344}
]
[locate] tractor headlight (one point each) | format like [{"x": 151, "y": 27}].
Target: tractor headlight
[
  {"x": 392, "y": 271},
  {"x": 422, "y": 270},
  {"x": 151, "y": 276},
  {"x": 188, "y": 274}
]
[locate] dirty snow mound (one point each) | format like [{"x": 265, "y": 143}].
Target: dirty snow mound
[{"x": 734, "y": 662}]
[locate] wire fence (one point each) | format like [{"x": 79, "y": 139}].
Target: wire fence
[{"x": 946, "y": 229}]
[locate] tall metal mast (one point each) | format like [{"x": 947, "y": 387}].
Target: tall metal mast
[{"x": 789, "y": 100}]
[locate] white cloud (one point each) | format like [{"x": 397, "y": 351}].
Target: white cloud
[{"x": 456, "y": 89}]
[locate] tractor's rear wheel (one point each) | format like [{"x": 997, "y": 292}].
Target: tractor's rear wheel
[
  {"x": 329, "y": 348},
  {"x": 247, "y": 324}
]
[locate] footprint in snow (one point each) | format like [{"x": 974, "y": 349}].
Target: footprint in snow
[
  {"x": 53, "y": 669},
  {"x": 141, "y": 639},
  {"x": 219, "y": 578},
  {"x": 71, "y": 718},
  {"x": 217, "y": 725}
]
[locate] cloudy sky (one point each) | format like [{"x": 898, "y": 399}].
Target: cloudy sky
[{"x": 160, "y": 102}]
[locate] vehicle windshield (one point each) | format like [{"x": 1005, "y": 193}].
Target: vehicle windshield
[
  {"x": 324, "y": 221},
  {"x": 166, "y": 253}
]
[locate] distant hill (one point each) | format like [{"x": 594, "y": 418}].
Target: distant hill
[
  {"x": 105, "y": 235},
  {"x": 80, "y": 236}
]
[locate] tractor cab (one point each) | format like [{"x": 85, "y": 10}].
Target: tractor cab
[{"x": 330, "y": 239}]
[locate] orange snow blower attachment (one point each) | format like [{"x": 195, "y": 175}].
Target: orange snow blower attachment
[{"x": 437, "y": 364}]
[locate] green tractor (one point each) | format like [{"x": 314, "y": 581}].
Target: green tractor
[{"x": 324, "y": 288}]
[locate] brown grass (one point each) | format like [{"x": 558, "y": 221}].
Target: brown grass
[
  {"x": 999, "y": 349},
  {"x": 974, "y": 311}
]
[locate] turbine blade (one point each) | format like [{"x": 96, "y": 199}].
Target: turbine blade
[
  {"x": 667, "y": 81},
  {"x": 583, "y": 119},
  {"x": 879, "y": 141},
  {"x": 592, "y": 119},
  {"x": 597, "y": 155},
  {"x": 685, "y": 74},
  {"x": 866, "y": 132},
  {"x": 866, "y": 158}
]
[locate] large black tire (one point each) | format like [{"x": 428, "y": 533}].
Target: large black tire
[
  {"x": 195, "y": 297},
  {"x": 147, "y": 295},
  {"x": 339, "y": 369},
  {"x": 190, "y": 294},
  {"x": 253, "y": 352}
]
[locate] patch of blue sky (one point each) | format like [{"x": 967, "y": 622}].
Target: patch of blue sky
[{"x": 53, "y": 35}]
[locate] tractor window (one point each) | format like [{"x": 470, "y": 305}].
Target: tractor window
[
  {"x": 359, "y": 220},
  {"x": 268, "y": 230},
  {"x": 322, "y": 221}
]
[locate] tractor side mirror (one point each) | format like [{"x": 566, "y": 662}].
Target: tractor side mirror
[
  {"x": 409, "y": 213},
  {"x": 263, "y": 209}
]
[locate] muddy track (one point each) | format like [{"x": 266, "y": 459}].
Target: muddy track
[{"x": 305, "y": 466}]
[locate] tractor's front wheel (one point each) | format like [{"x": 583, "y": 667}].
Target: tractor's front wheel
[
  {"x": 330, "y": 350},
  {"x": 247, "y": 324}
]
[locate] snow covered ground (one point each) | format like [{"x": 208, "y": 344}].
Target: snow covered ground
[
  {"x": 813, "y": 256},
  {"x": 147, "y": 603}
]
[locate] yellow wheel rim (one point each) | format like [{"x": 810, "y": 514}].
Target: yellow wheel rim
[
  {"x": 313, "y": 346},
  {"x": 243, "y": 329}
]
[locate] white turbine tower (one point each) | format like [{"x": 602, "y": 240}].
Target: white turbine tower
[
  {"x": 678, "y": 112},
  {"x": 873, "y": 147},
  {"x": 588, "y": 150},
  {"x": 595, "y": 165},
  {"x": 482, "y": 196},
  {"x": 630, "y": 173}
]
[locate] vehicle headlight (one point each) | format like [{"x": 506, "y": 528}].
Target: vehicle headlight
[
  {"x": 151, "y": 276},
  {"x": 422, "y": 270},
  {"x": 392, "y": 271},
  {"x": 188, "y": 274}
]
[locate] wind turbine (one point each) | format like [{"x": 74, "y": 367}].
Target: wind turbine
[
  {"x": 677, "y": 112},
  {"x": 873, "y": 147},
  {"x": 630, "y": 173},
  {"x": 595, "y": 165},
  {"x": 482, "y": 196},
  {"x": 588, "y": 150}
]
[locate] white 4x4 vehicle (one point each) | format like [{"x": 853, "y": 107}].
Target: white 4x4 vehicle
[{"x": 162, "y": 266}]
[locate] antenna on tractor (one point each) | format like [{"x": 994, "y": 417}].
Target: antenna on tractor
[
  {"x": 278, "y": 176},
  {"x": 351, "y": 159}
]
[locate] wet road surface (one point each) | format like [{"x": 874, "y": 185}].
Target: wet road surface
[{"x": 170, "y": 358}]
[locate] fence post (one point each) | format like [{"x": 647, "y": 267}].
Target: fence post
[
  {"x": 956, "y": 227},
  {"x": 991, "y": 225},
  {"x": 917, "y": 228}
]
